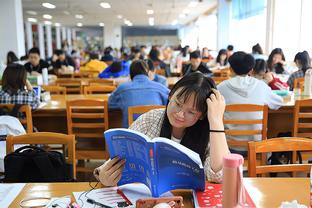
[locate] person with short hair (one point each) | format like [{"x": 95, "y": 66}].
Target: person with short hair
[
  {"x": 153, "y": 76},
  {"x": 61, "y": 62},
  {"x": 193, "y": 117},
  {"x": 229, "y": 50},
  {"x": 245, "y": 89},
  {"x": 139, "y": 91},
  {"x": 35, "y": 63},
  {"x": 195, "y": 65},
  {"x": 16, "y": 89}
]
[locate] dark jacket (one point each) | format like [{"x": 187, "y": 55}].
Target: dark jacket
[{"x": 202, "y": 68}]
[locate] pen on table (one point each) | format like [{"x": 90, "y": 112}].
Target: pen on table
[{"x": 91, "y": 201}]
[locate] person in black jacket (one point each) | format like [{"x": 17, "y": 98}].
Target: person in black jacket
[
  {"x": 195, "y": 65},
  {"x": 35, "y": 64}
]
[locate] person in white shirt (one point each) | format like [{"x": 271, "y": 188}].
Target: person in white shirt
[{"x": 244, "y": 89}]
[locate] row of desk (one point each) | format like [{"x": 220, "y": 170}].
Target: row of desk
[
  {"x": 51, "y": 116},
  {"x": 265, "y": 192}
]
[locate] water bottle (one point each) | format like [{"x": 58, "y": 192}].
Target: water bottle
[
  {"x": 45, "y": 78},
  {"x": 308, "y": 83},
  {"x": 232, "y": 188}
]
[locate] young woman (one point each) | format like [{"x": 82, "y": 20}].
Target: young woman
[
  {"x": 303, "y": 62},
  {"x": 193, "y": 117},
  {"x": 260, "y": 72},
  {"x": 220, "y": 61},
  {"x": 16, "y": 89},
  {"x": 276, "y": 61}
]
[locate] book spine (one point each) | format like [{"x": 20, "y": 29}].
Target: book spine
[{"x": 153, "y": 170}]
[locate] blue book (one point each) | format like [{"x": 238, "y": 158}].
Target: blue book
[{"x": 161, "y": 164}]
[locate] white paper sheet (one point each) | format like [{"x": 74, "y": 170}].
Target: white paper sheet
[{"x": 8, "y": 192}]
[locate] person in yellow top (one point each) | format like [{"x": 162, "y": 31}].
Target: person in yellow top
[{"x": 94, "y": 64}]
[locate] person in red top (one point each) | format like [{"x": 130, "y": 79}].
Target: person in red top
[{"x": 260, "y": 72}]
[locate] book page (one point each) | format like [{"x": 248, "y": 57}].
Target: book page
[
  {"x": 176, "y": 167},
  {"x": 135, "y": 149},
  {"x": 8, "y": 192},
  {"x": 191, "y": 154}
]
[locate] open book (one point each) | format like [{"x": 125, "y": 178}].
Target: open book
[{"x": 161, "y": 164}]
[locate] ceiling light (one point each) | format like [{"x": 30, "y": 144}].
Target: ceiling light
[
  {"x": 105, "y": 5},
  {"x": 57, "y": 24},
  {"x": 119, "y": 16},
  {"x": 186, "y": 11},
  {"x": 182, "y": 16},
  {"x": 79, "y": 24},
  {"x": 79, "y": 16},
  {"x": 101, "y": 24},
  {"x": 47, "y": 22},
  {"x": 149, "y": 11},
  {"x": 31, "y": 12},
  {"x": 32, "y": 19},
  {"x": 193, "y": 4},
  {"x": 47, "y": 16},
  {"x": 130, "y": 24},
  {"x": 66, "y": 12},
  {"x": 174, "y": 22},
  {"x": 151, "y": 21},
  {"x": 48, "y": 5}
]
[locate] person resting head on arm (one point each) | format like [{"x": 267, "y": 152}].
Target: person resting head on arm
[{"x": 193, "y": 117}]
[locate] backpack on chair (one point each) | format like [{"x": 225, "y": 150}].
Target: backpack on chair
[{"x": 34, "y": 164}]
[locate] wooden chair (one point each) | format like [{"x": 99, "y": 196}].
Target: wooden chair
[
  {"x": 102, "y": 82},
  {"x": 299, "y": 82},
  {"x": 54, "y": 89},
  {"x": 72, "y": 86},
  {"x": 46, "y": 138},
  {"x": 220, "y": 79},
  {"x": 277, "y": 145},
  {"x": 102, "y": 89},
  {"x": 26, "y": 111},
  {"x": 138, "y": 110},
  {"x": 303, "y": 118},
  {"x": 246, "y": 108},
  {"x": 87, "y": 119}
]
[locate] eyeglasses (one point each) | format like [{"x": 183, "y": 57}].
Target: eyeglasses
[{"x": 177, "y": 107}]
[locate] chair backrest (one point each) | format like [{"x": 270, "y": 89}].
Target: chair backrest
[
  {"x": 102, "y": 89},
  {"x": 303, "y": 118},
  {"x": 26, "y": 111},
  {"x": 220, "y": 79},
  {"x": 246, "y": 108},
  {"x": 277, "y": 145},
  {"x": 54, "y": 89},
  {"x": 87, "y": 118},
  {"x": 299, "y": 82},
  {"x": 45, "y": 138},
  {"x": 102, "y": 82},
  {"x": 136, "y": 111},
  {"x": 72, "y": 86}
]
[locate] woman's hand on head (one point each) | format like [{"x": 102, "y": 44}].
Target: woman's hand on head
[
  {"x": 110, "y": 172},
  {"x": 215, "y": 106}
]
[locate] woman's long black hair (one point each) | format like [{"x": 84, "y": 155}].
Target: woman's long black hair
[
  {"x": 304, "y": 59},
  {"x": 196, "y": 137}
]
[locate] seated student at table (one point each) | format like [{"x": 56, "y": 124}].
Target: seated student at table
[
  {"x": 35, "y": 63},
  {"x": 94, "y": 64},
  {"x": 220, "y": 62},
  {"x": 257, "y": 52},
  {"x": 139, "y": 91},
  {"x": 193, "y": 117},
  {"x": 276, "y": 61},
  {"x": 61, "y": 63},
  {"x": 303, "y": 62},
  {"x": 260, "y": 72},
  {"x": 195, "y": 65},
  {"x": 16, "y": 89},
  {"x": 244, "y": 89},
  {"x": 153, "y": 76},
  {"x": 116, "y": 69},
  {"x": 154, "y": 55}
]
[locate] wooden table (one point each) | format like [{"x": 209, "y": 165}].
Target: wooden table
[
  {"x": 266, "y": 192},
  {"x": 51, "y": 116}
]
